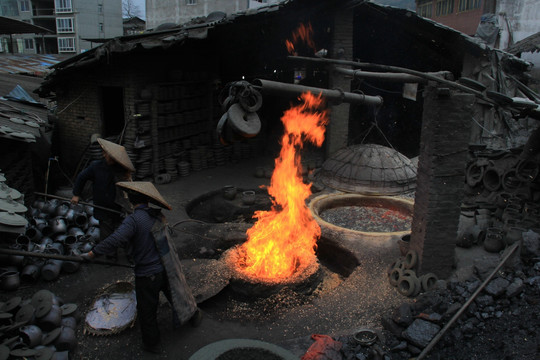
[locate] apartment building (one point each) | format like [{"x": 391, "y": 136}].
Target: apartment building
[
  {"x": 74, "y": 23},
  {"x": 181, "y": 11}
]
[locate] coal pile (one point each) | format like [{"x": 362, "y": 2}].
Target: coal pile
[{"x": 503, "y": 322}]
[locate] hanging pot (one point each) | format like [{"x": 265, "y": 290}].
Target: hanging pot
[
  {"x": 92, "y": 221},
  {"x": 51, "y": 270},
  {"x": 10, "y": 281},
  {"x": 48, "y": 316},
  {"x": 89, "y": 210},
  {"x": 31, "y": 335},
  {"x": 45, "y": 228},
  {"x": 50, "y": 207},
  {"x": 30, "y": 273},
  {"x": 55, "y": 248},
  {"x": 61, "y": 210},
  {"x": 46, "y": 241},
  {"x": 81, "y": 220},
  {"x": 24, "y": 242},
  {"x": 38, "y": 204},
  {"x": 93, "y": 233},
  {"x": 70, "y": 215},
  {"x": 67, "y": 340},
  {"x": 34, "y": 234},
  {"x": 75, "y": 231},
  {"x": 70, "y": 322},
  {"x": 58, "y": 225}
]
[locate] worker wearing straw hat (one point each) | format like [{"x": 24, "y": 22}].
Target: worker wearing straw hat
[
  {"x": 157, "y": 267},
  {"x": 104, "y": 174}
]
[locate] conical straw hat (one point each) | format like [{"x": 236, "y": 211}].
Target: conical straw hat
[
  {"x": 146, "y": 188},
  {"x": 117, "y": 152}
]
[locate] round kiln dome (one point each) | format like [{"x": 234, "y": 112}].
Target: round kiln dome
[{"x": 368, "y": 169}]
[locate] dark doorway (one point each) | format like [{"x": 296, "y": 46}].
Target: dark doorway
[{"x": 112, "y": 102}]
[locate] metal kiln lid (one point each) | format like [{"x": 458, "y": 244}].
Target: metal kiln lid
[{"x": 368, "y": 169}]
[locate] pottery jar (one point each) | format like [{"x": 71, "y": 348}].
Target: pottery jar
[
  {"x": 514, "y": 234},
  {"x": 229, "y": 192},
  {"x": 10, "y": 280}
]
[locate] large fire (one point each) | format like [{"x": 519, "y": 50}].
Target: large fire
[
  {"x": 303, "y": 33},
  {"x": 283, "y": 240}
]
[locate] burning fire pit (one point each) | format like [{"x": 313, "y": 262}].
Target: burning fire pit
[
  {"x": 381, "y": 221},
  {"x": 303, "y": 280}
]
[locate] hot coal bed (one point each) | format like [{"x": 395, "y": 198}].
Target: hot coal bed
[{"x": 248, "y": 298}]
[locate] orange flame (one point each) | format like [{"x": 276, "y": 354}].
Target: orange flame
[
  {"x": 283, "y": 240},
  {"x": 303, "y": 33}
]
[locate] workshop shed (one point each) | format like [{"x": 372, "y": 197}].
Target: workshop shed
[{"x": 158, "y": 93}]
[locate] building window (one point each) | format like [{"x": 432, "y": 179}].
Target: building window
[
  {"x": 467, "y": 5},
  {"x": 444, "y": 7},
  {"x": 100, "y": 27},
  {"x": 29, "y": 44},
  {"x": 191, "y": 2},
  {"x": 424, "y": 8},
  {"x": 63, "y": 6},
  {"x": 100, "y": 8},
  {"x": 66, "y": 44},
  {"x": 25, "y": 5},
  {"x": 64, "y": 25}
]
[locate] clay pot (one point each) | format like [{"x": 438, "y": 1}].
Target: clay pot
[
  {"x": 34, "y": 234},
  {"x": 51, "y": 320},
  {"x": 70, "y": 322},
  {"x": 30, "y": 273},
  {"x": 62, "y": 209},
  {"x": 93, "y": 233},
  {"x": 51, "y": 270},
  {"x": 58, "y": 226},
  {"x": 514, "y": 234},
  {"x": 493, "y": 243},
  {"x": 31, "y": 335},
  {"x": 248, "y": 197},
  {"x": 67, "y": 340},
  {"x": 229, "y": 192},
  {"x": 9, "y": 281}
]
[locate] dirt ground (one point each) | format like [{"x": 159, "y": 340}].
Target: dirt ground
[{"x": 340, "y": 305}]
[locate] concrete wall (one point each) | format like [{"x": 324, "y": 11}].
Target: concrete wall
[
  {"x": 177, "y": 11},
  {"x": 88, "y": 20},
  {"x": 523, "y": 17}
]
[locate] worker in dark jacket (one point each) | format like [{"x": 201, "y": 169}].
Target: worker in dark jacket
[
  {"x": 104, "y": 174},
  {"x": 152, "y": 272}
]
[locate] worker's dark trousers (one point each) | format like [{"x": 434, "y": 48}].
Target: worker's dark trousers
[{"x": 147, "y": 289}]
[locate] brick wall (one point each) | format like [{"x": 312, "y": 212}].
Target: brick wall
[
  {"x": 342, "y": 48},
  {"x": 446, "y": 127},
  {"x": 80, "y": 112}
]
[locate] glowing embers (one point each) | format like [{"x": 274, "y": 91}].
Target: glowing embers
[{"x": 304, "y": 279}]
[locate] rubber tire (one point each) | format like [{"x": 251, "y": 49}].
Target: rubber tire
[
  {"x": 394, "y": 276},
  {"x": 407, "y": 285},
  {"x": 411, "y": 259},
  {"x": 427, "y": 281}
]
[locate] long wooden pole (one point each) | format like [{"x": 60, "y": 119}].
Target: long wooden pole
[
  {"x": 456, "y": 316},
  {"x": 80, "y": 202},
  {"x": 59, "y": 257}
]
